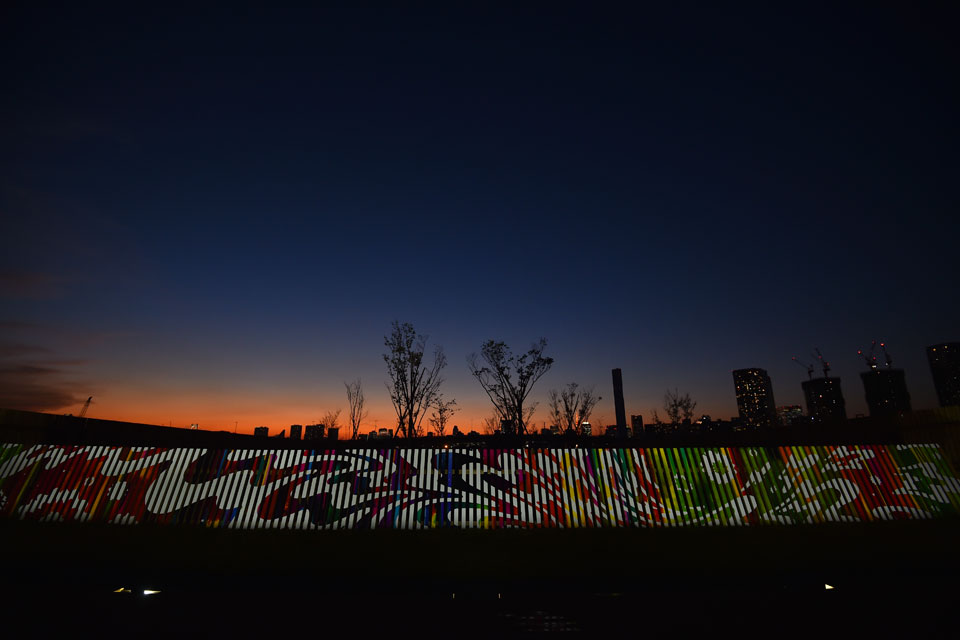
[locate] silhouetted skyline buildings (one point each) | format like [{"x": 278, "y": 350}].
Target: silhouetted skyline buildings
[
  {"x": 944, "y": 359},
  {"x": 886, "y": 392},
  {"x": 790, "y": 414},
  {"x": 619, "y": 409},
  {"x": 755, "y": 397},
  {"x": 824, "y": 399}
]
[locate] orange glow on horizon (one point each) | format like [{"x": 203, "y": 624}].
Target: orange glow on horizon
[
  {"x": 215, "y": 419},
  {"x": 276, "y": 411}
]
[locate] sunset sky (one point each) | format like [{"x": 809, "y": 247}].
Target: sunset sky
[{"x": 214, "y": 218}]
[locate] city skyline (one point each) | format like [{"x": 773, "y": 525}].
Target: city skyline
[
  {"x": 214, "y": 218},
  {"x": 474, "y": 408}
]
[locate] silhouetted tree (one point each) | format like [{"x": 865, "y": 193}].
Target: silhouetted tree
[
  {"x": 572, "y": 406},
  {"x": 330, "y": 418},
  {"x": 507, "y": 379},
  {"x": 678, "y": 407},
  {"x": 442, "y": 410},
  {"x": 413, "y": 387},
  {"x": 356, "y": 401},
  {"x": 491, "y": 423}
]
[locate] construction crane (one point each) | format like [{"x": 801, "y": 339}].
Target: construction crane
[
  {"x": 886, "y": 356},
  {"x": 808, "y": 367},
  {"x": 86, "y": 405},
  {"x": 870, "y": 359},
  {"x": 823, "y": 363}
]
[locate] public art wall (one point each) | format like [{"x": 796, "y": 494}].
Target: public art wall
[{"x": 476, "y": 488}]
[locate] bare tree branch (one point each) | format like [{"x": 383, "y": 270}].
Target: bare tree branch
[
  {"x": 491, "y": 424},
  {"x": 356, "y": 401},
  {"x": 678, "y": 407},
  {"x": 443, "y": 410},
  {"x": 329, "y": 420},
  {"x": 413, "y": 387},
  {"x": 572, "y": 406},
  {"x": 508, "y": 379}
]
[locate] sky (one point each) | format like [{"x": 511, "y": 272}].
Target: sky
[{"x": 214, "y": 216}]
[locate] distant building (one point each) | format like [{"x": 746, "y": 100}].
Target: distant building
[
  {"x": 261, "y": 432},
  {"x": 722, "y": 426},
  {"x": 944, "y": 362},
  {"x": 636, "y": 424},
  {"x": 755, "y": 397},
  {"x": 790, "y": 414},
  {"x": 586, "y": 429},
  {"x": 296, "y": 431},
  {"x": 824, "y": 399},
  {"x": 737, "y": 425},
  {"x": 507, "y": 427},
  {"x": 886, "y": 391},
  {"x": 314, "y": 432},
  {"x": 618, "y": 400},
  {"x": 333, "y": 433}
]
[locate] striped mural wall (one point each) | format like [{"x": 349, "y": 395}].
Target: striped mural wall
[{"x": 475, "y": 488}]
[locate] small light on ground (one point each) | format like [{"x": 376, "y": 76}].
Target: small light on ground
[
  {"x": 149, "y": 592},
  {"x": 121, "y": 590},
  {"x": 828, "y": 586}
]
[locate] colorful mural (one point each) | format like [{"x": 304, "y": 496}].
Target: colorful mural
[{"x": 475, "y": 488}]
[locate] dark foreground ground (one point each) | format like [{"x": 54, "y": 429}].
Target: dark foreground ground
[{"x": 891, "y": 580}]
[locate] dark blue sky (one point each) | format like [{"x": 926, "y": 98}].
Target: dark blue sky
[{"x": 215, "y": 215}]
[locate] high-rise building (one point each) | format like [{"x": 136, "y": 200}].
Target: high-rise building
[
  {"x": 296, "y": 431},
  {"x": 314, "y": 431},
  {"x": 636, "y": 423},
  {"x": 618, "y": 400},
  {"x": 824, "y": 399},
  {"x": 261, "y": 432},
  {"x": 944, "y": 361},
  {"x": 787, "y": 415},
  {"x": 886, "y": 391},
  {"x": 755, "y": 397}
]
